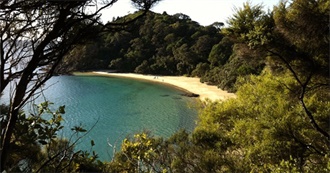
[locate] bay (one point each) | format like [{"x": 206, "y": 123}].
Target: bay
[{"x": 113, "y": 108}]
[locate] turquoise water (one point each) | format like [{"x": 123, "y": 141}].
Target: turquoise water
[{"x": 118, "y": 107}]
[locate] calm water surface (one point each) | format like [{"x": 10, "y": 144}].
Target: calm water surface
[{"x": 118, "y": 107}]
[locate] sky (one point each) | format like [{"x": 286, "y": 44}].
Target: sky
[{"x": 205, "y": 12}]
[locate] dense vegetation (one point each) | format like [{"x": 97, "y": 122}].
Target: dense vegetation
[
  {"x": 163, "y": 44},
  {"x": 279, "y": 122},
  {"x": 34, "y": 37}
]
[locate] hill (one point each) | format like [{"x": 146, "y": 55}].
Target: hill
[{"x": 163, "y": 44}]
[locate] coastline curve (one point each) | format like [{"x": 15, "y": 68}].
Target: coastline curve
[{"x": 190, "y": 85}]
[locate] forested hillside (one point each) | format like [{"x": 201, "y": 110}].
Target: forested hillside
[
  {"x": 280, "y": 120},
  {"x": 165, "y": 44},
  {"x": 277, "y": 61}
]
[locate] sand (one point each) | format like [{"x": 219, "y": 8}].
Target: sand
[{"x": 190, "y": 84}]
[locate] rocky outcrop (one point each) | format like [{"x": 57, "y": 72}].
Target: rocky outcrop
[{"x": 190, "y": 95}]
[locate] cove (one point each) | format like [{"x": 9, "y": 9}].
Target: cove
[{"x": 117, "y": 107}]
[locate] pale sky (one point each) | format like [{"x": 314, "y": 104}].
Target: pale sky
[{"x": 205, "y": 12}]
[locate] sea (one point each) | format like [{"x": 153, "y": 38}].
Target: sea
[{"x": 112, "y": 108}]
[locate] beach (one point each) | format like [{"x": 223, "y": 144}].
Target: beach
[{"x": 189, "y": 84}]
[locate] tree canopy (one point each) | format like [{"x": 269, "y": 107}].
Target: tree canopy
[
  {"x": 165, "y": 44},
  {"x": 34, "y": 37},
  {"x": 279, "y": 121},
  {"x": 277, "y": 61}
]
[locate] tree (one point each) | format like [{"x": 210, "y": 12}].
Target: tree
[
  {"x": 200, "y": 69},
  {"x": 279, "y": 121},
  {"x": 218, "y": 25},
  {"x": 295, "y": 38},
  {"x": 220, "y": 52},
  {"x": 34, "y": 37},
  {"x": 263, "y": 127},
  {"x": 182, "y": 16},
  {"x": 203, "y": 46}
]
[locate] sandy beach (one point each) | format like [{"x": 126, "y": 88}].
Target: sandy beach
[{"x": 190, "y": 84}]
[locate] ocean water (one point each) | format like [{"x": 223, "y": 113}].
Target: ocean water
[{"x": 113, "y": 108}]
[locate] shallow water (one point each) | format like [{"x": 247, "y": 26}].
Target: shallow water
[{"x": 117, "y": 107}]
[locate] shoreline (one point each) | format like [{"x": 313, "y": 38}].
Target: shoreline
[{"x": 191, "y": 85}]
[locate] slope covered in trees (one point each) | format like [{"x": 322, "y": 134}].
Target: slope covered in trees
[
  {"x": 263, "y": 130},
  {"x": 279, "y": 121},
  {"x": 165, "y": 44}
]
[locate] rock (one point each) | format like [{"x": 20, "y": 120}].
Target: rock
[{"x": 190, "y": 95}]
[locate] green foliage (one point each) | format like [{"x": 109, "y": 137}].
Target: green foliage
[
  {"x": 263, "y": 130},
  {"x": 137, "y": 155},
  {"x": 277, "y": 62},
  {"x": 92, "y": 54},
  {"x": 220, "y": 52},
  {"x": 265, "y": 126},
  {"x": 285, "y": 38},
  {"x": 250, "y": 22},
  {"x": 167, "y": 44},
  {"x": 201, "y": 69},
  {"x": 37, "y": 148},
  {"x": 279, "y": 121}
]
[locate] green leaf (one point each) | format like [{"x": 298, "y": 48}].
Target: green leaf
[
  {"x": 92, "y": 142},
  {"x": 59, "y": 119},
  {"x": 78, "y": 129},
  {"x": 61, "y": 109}
]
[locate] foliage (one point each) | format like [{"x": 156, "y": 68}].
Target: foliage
[
  {"x": 137, "y": 154},
  {"x": 87, "y": 56},
  {"x": 37, "y": 148},
  {"x": 167, "y": 45},
  {"x": 35, "y": 36},
  {"x": 263, "y": 130},
  {"x": 145, "y": 153},
  {"x": 164, "y": 43},
  {"x": 286, "y": 39},
  {"x": 279, "y": 121}
]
